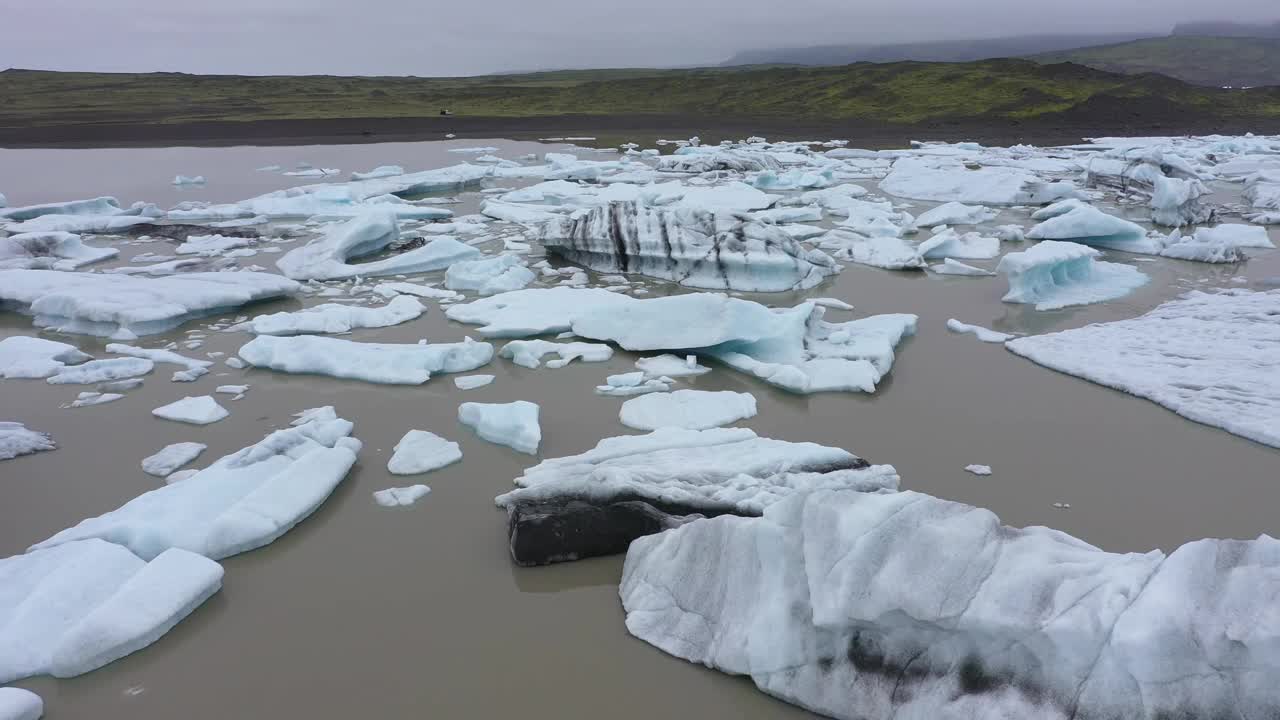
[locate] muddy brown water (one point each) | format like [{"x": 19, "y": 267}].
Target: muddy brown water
[{"x": 363, "y": 611}]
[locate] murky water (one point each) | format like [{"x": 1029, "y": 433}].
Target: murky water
[{"x": 364, "y": 611}]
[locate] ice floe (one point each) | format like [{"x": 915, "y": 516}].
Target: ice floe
[
  {"x": 327, "y": 257},
  {"x": 983, "y": 334},
  {"x": 883, "y": 251},
  {"x": 955, "y": 267},
  {"x": 490, "y": 275},
  {"x": 978, "y": 469},
  {"x": 172, "y": 457},
  {"x": 50, "y": 251},
  {"x": 97, "y": 371},
  {"x": 513, "y": 424},
  {"x": 16, "y": 703},
  {"x": 200, "y": 410},
  {"x": 672, "y": 366},
  {"x": 400, "y": 496},
  {"x": 1053, "y": 275},
  {"x": 529, "y": 353},
  {"x": 1087, "y": 225},
  {"x": 688, "y": 409},
  {"x": 420, "y": 451},
  {"x": 471, "y": 382},
  {"x": 335, "y": 318},
  {"x": 16, "y": 439},
  {"x": 948, "y": 243},
  {"x": 954, "y": 213},
  {"x": 950, "y": 180},
  {"x": 397, "y": 364},
  {"x": 31, "y": 357},
  {"x": 1211, "y": 358}
]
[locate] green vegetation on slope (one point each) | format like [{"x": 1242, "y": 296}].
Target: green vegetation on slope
[
  {"x": 907, "y": 92},
  {"x": 1209, "y": 61}
]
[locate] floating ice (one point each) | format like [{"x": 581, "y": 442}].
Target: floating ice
[
  {"x": 420, "y": 451},
  {"x": 688, "y": 409},
  {"x": 1085, "y": 224},
  {"x": 172, "y": 457},
  {"x": 529, "y": 353},
  {"x": 533, "y": 312},
  {"x": 1176, "y": 202},
  {"x": 398, "y": 364},
  {"x": 1202, "y": 248},
  {"x": 16, "y": 703},
  {"x": 636, "y": 383},
  {"x": 955, "y": 267},
  {"x": 96, "y": 206},
  {"x": 983, "y": 334},
  {"x": 194, "y": 368},
  {"x": 400, "y": 496},
  {"x": 950, "y": 244},
  {"x": 96, "y": 371},
  {"x": 596, "y": 503},
  {"x": 978, "y": 469},
  {"x": 1214, "y": 359},
  {"x": 50, "y": 251},
  {"x": 858, "y": 605},
  {"x": 471, "y": 382},
  {"x": 670, "y": 366},
  {"x": 512, "y": 424},
  {"x": 187, "y": 180},
  {"x": 954, "y": 213},
  {"x": 336, "y": 318},
  {"x": 104, "y": 305},
  {"x": 73, "y": 608},
  {"x": 1053, "y": 275},
  {"x": 692, "y": 247},
  {"x": 211, "y": 245},
  {"x": 490, "y": 275},
  {"x": 882, "y": 251},
  {"x": 326, "y": 257},
  {"x": 949, "y": 180},
  {"x": 31, "y": 357},
  {"x": 202, "y": 410},
  {"x": 243, "y": 501},
  {"x": 382, "y": 171},
  {"x": 1235, "y": 235},
  {"x": 390, "y": 290},
  {"x": 16, "y": 439}
]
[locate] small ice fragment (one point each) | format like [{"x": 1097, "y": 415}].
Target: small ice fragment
[
  {"x": 978, "y": 469},
  {"x": 201, "y": 410},
  {"x": 983, "y": 334},
  {"x": 471, "y": 382},
  {"x": 420, "y": 451},
  {"x": 393, "y": 497},
  {"x": 172, "y": 457}
]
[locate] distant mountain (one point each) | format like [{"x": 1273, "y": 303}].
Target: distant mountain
[
  {"x": 942, "y": 51},
  {"x": 1210, "y": 61},
  {"x": 1228, "y": 29}
]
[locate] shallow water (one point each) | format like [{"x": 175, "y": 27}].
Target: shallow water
[{"x": 399, "y": 613}]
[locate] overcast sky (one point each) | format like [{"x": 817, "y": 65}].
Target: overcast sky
[{"x": 428, "y": 37}]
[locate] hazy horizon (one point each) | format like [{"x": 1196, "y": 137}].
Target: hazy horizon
[{"x": 396, "y": 37}]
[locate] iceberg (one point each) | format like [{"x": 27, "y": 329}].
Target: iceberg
[
  {"x": 390, "y": 290},
  {"x": 635, "y": 383},
  {"x": 1053, "y": 275},
  {"x": 32, "y": 357},
  {"x": 688, "y": 409},
  {"x": 950, "y": 244},
  {"x": 954, "y": 213},
  {"x": 715, "y": 159},
  {"x": 99, "y": 371},
  {"x": 96, "y": 206},
  {"x": 1235, "y": 235},
  {"x": 978, "y": 469},
  {"x": 626, "y": 487},
  {"x": 212, "y": 245},
  {"x": 400, "y": 496},
  {"x": 536, "y": 311},
  {"x": 1198, "y": 248},
  {"x": 50, "y": 251},
  {"x": 513, "y": 424},
  {"x": 692, "y": 247},
  {"x": 202, "y": 410},
  {"x": 16, "y": 439},
  {"x": 490, "y": 275},
  {"x": 104, "y": 305},
  {"x": 420, "y": 451},
  {"x": 1211, "y": 358},
  {"x": 949, "y": 180},
  {"x": 326, "y": 257},
  {"x": 529, "y": 353},
  {"x": 396, "y": 364},
  {"x": 172, "y": 457},
  {"x": 194, "y": 368},
  {"x": 337, "y": 318},
  {"x": 1176, "y": 202},
  {"x": 75, "y": 607},
  {"x": 1088, "y": 225},
  {"x": 882, "y": 251},
  {"x": 241, "y": 502},
  {"x": 861, "y": 605}
]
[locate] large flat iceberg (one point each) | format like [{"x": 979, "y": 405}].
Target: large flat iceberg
[
  {"x": 949, "y": 180},
  {"x": 396, "y": 364},
  {"x": 336, "y": 318},
  {"x": 1211, "y": 358}
]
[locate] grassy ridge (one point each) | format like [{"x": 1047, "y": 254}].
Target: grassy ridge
[
  {"x": 907, "y": 92},
  {"x": 1209, "y": 61}
]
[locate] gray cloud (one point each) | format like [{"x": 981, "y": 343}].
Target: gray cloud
[{"x": 421, "y": 37}]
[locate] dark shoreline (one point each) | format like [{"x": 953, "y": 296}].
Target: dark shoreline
[{"x": 711, "y": 129}]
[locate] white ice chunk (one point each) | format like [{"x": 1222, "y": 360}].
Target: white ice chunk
[
  {"x": 189, "y": 180},
  {"x": 1212, "y": 358},
  {"x": 401, "y": 364},
  {"x": 420, "y": 451},
  {"x": 243, "y": 501},
  {"x": 983, "y": 334},
  {"x": 202, "y": 410},
  {"x": 1053, "y": 275},
  {"x": 336, "y": 318},
  {"x": 512, "y": 424},
  {"x": 400, "y": 496},
  {"x": 16, "y": 439},
  {"x": 327, "y": 257},
  {"x": 688, "y": 409},
  {"x": 949, "y": 180},
  {"x": 490, "y": 275},
  {"x": 471, "y": 382},
  {"x": 50, "y": 251},
  {"x": 954, "y": 213},
  {"x": 382, "y": 171},
  {"x": 172, "y": 457},
  {"x": 978, "y": 469},
  {"x": 535, "y": 311},
  {"x": 96, "y": 371},
  {"x": 955, "y": 267},
  {"x": 882, "y": 251},
  {"x": 16, "y": 703},
  {"x": 1088, "y": 225},
  {"x": 951, "y": 244},
  {"x": 529, "y": 353},
  {"x": 671, "y": 366},
  {"x": 31, "y": 357},
  {"x": 211, "y": 245},
  {"x": 390, "y": 290}
]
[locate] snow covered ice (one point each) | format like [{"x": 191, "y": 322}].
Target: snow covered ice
[
  {"x": 513, "y": 424},
  {"x": 529, "y": 353},
  {"x": 949, "y": 180},
  {"x": 31, "y": 357},
  {"x": 172, "y": 457},
  {"x": 396, "y": 364},
  {"x": 1211, "y": 358},
  {"x": 954, "y": 213},
  {"x": 201, "y": 410},
  {"x": 50, "y": 251},
  {"x": 420, "y": 451},
  {"x": 106, "y": 305},
  {"x": 16, "y": 703},
  {"x": 74, "y": 607},
  {"x": 97, "y": 371},
  {"x": 688, "y": 409},
  {"x": 16, "y": 439},
  {"x": 628, "y": 486},
  {"x": 400, "y": 496},
  {"x": 242, "y": 501},
  {"x": 950, "y": 244},
  {"x": 1053, "y": 275},
  {"x": 668, "y": 365},
  {"x": 883, "y": 251},
  {"x": 859, "y": 605},
  {"x": 955, "y": 267},
  {"x": 336, "y": 318}
]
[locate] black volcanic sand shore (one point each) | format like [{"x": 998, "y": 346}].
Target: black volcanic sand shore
[{"x": 1052, "y": 131}]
